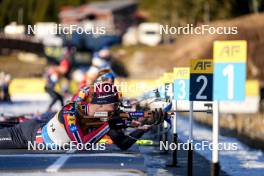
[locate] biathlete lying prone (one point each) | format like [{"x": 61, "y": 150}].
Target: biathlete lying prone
[{"x": 76, "y": 122}]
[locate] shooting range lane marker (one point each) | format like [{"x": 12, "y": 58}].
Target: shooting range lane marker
[
  {"x": 215, "y": 139},
  {"x": 201, "y": 89},
  {"x": 215, "y": 136},
  {"x": 190, "y": 151},
  {"x": 191, "y": 122},
  {"x": 180, "y": 91},
  {"x": 174, "y": 136},
  {"x": 167, "y": 80},
  {"x": 230, "y": 70},
  {"x": 175, "y": 118},
  {"x": 59, "y": 162},
  {"x": 201, "y": 80},
  {"x": 229, "y": 84}
]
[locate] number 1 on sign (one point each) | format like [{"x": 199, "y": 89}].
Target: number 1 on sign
[{"x": 229, "y": 73}]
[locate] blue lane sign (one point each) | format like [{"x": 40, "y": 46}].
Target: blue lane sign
[
  {"x": 168, "y": 90},
  {"x": 167, "y": 81},
  {"x": 161, "y": 90},
  {"x": 181, "y": 84},
  {"x": 230, "y": 70},
  {"x": 201, "y": 80}
]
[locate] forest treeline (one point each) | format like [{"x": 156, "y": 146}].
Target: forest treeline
[{"x": 174, "y": 12}]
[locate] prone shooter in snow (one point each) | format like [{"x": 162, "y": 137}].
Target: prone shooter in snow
[{"x": 82, "y": 121}]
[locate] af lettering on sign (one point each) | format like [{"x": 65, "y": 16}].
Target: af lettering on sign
[
  {"x": 201, "y": 80},
  {"x": 230, "y": 70},
  {"x": 181, "y": 83}
]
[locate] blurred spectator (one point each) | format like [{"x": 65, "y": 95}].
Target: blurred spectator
[
  {"x": 65, "y": 63},
  {"x": 101, "y": 60},
  {"x": 262, "y": 99},
  {"x": 89, "y": 76},
  {"x": 5, "y": 80},
  {"x": 2, "y": 75},
  {"x": 52, "y": 78},
  {"x": 65, "y": 69}
]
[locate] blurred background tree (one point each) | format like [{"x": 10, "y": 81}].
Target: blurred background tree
[
  {"x": 173, "y": 12},
  {"x": 195, "y": 11},
  {"x": 32, "y": 11}
]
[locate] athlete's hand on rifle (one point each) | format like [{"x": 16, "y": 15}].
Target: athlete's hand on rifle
[
  {"x": 155, "y": 117},
  {"x": 144, "y": 127},
  {"x": 116, "y": 123},
  {"x": 135, "y": 123}
]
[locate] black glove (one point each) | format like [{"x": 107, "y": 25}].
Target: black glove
[
  {"x": 158, "y": 116},
  {"x": 116, "y": 123}
]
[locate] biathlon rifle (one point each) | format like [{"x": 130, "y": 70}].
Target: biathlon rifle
[{"x": 152, "y": 118}]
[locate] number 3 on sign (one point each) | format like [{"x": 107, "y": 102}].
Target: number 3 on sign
[
  {"x": 181, "y": 83},
  {"x": 182, "y": 93}
]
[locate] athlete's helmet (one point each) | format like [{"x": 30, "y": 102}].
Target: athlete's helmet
[
  {"x": 107, "y": 77},
  {"x": 98, "y": 93}
]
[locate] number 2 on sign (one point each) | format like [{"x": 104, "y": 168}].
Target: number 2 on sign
[
  {"x": 199, "y": 94},
  {"x": 229, "y": 73}
]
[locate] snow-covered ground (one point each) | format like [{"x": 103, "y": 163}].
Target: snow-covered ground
[
  {"x": 27, "y": 104},
  {"x": 243, "y": 161}
]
